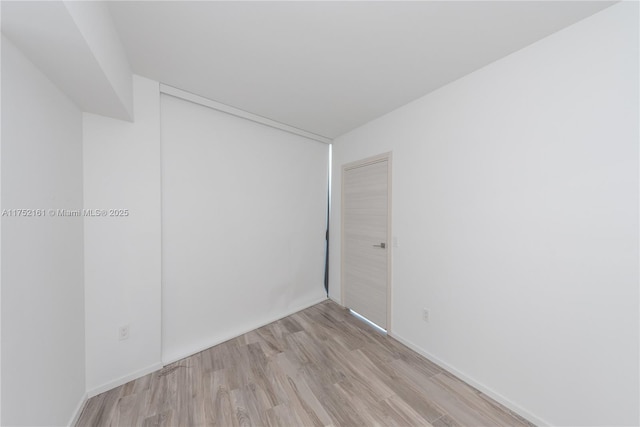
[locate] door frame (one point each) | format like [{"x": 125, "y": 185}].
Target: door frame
[{"x": 352, "y": 165}]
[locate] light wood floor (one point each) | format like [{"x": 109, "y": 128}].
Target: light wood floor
[{"x": 318, "y": 367}]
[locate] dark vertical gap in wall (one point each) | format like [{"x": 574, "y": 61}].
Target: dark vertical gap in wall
[
  {"x": 326, "y": 236},
  {"x": 326, "y": 260}
]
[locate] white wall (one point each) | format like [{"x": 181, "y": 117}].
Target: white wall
[
  {"x": 1, "y": 205},
  {"x": 43, "y": 357},
  {"x": 243, "y": 218},
  {"x": 122, "y": 254},
  {"x": 515, "y": 204},
  {"x": 0, "y": 232}
]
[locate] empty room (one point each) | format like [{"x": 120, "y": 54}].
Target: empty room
[{"x": 324, "y": 213}]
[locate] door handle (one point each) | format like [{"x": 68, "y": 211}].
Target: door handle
[{"x": 381, "y": 245}]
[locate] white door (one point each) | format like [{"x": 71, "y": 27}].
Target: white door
[{"x": 365, "y": 233}]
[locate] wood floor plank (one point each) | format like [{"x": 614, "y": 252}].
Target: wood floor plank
[
  {"x": 318, "y": 367},
  {"x": 301, "y": 394},
  {"x": 445, "y": 421},
  {"x": 160, "y": 420},
  {"x": 219, "y": 410},
  {"x": 242, "y": 414},
  {"x": 340, "y": 412},
  {"x": 399, "y": 413},
  {"x": 407, "y": 391},
  {"x": 129, "y": 409}
]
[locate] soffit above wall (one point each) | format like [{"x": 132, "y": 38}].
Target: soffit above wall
[{"x": 76, "y": 45}]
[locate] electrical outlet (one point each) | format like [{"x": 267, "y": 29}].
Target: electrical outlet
[
  {"x": 123, "y": 333},
  {"x": 425, "y": 315}
]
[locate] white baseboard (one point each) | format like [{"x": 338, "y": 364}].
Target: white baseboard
[
  {"x": 76, "y": 414},
  {"x": 484, "y": 389},
  {"x": 190, "y": 352},
  {"x": 124, "y": 379}
]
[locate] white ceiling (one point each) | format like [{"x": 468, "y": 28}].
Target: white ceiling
[{"x": 328, "y": 67}]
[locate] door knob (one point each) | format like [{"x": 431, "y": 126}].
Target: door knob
[{"x": 381, "y": 245}]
